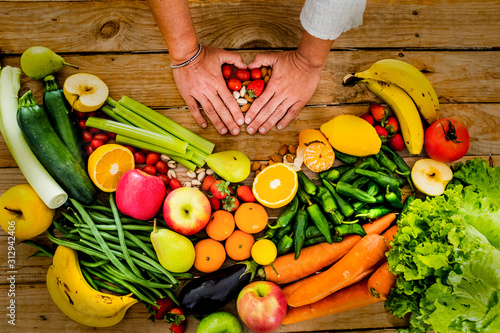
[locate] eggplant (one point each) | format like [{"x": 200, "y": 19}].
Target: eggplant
[{"x": 212, "y": 291}]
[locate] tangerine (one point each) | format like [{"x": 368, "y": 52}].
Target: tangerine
[
  {"x": 221, "y": 225},
  {"x": 209, "y": 255},
  {"x": 251, "y": 217},
  {"x": 239, "y": 245},
  {"x": 319, "y": 156}
]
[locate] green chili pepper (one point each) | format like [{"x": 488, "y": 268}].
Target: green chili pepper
[
  {"x": 344, "y": 168},
  {"x": 346, "y": 189},
  {"x": 393, "y": 199},
  {"x": 385, "y": 161},
  {"x": 360, "y": 182},
  {"x": 372, "y": 188},
  {"x": 379, "y": 178},
  {"x": 402, "y": 168},
  {"x": 303, "y": 196},
  {"x": 306, "y": 183},
  {"x": 345, "y": 158},
  {"x": 326, "y": 199},
  {"x": 284, "y": 244},
  {"x": 375, "y": 212},
  {"x": 351, "y": 175},
  {"x": 299, "y": 231},
  {"x": 320, "y": 239},
  {"x": 335, "y": 217},
  {"x": 380, "y": 198},
  {"x": 269, "y": 233},
  {"x": 406, "y": 204},
  {"x": 344, "y": 206},
  {"x": 316, "y": 215},
  {"x": 331, "y": 174},
  {"x": 282, "y": 232},
  {"x": 287, "y": 215},
  {"x": 347, "y": 229},
  {"x": 358, "y": 205}
]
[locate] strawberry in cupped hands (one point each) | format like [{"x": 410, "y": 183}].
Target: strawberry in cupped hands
[{"x": 255, "y": 88}]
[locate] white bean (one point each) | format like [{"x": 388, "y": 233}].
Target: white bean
[
  {"x": 236, "y": 94},
  {"x": 241, "y": 101}
]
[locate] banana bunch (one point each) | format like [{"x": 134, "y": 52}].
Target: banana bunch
[
  {"x": 77, "y": 299},
  {"x": 406, "y": 91}
]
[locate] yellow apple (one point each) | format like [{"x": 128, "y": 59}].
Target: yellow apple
[
  {"x": 23, "y": 214},
  {"x": 431, "y": 177},
  {"x": 85, "y": 92}
]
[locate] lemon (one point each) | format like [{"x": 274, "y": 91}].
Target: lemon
[{"x": 264, "y": 252}]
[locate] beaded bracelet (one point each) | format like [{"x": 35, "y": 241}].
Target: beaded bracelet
[{"x": 190, "y": 60}]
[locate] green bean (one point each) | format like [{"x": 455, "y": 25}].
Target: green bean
[
  {"x": 105, "y": 235},
  {"x": 98, "y": 217},
  {"x": 141, "y": 244},
  {"x": 111, "y": 288},
  {"x": 89, "y": 278},
  {"x": 108, "y": 278},
  {"x": 107, "y": 227},
  {"x": 121, "y": 236},
  {"x": 39, "y": 247},
  {"x": 70, "y": 218},
  {"x": 140, "y": 282},
  {"x": 134, "y": 290},
  {"x": 93, "y": 264},
  {"x": 74, "y": 245}
]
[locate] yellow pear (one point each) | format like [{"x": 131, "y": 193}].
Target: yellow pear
[{"x": 85, "y": 92}]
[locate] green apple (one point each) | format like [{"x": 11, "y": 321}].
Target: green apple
[{"x": 220, "y": 322}]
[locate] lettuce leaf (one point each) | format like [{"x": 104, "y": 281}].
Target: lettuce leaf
[{"x": 446, "y": 256}]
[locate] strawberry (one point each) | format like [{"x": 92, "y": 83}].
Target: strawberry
[
  {"x": 159, "y": 313},
  {"x": 181, "y": 328},
  {"x": 245, "y": 194},
  {"x": 379, "y": 112},
  {"x": 207, "y": 183},
  {"x": 219, "y": 189},
  {"x": 175, "y": 316},
  {"x": 381, "y": 132},
  {"x": 396, "y": 142},
  {"x": 214, "y": 203},
  {"x": 391, "y": 124},
  {"x": 255, "y": 88},
  {"x": 230, "y": 203},
  {"x": 368, "y": 117}
]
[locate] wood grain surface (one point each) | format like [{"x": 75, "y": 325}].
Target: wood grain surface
[{"x": 455, "y": 43}]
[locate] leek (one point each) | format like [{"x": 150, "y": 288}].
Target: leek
[
  {"x": 167, "y": 124},
  {"x": 131, "y": 131},
  {"x": 37, "y": 176}
]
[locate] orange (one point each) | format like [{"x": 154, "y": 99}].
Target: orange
[
  {"x": 107, "y": 164},
  {"x": 319, "y": 156},
  {"x": 221, "y": 225},
  {"x": 276, "y": 185},
  {"x": 209, "y": 255},
  {"x": 251, "y": 217},
  {"x": 239, "y": 245}
]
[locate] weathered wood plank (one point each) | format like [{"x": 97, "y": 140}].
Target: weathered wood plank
[
  {"x": 35, "y": 311},
  {"x": 128, "y": 26}
]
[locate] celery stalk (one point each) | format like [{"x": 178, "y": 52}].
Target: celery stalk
[
  {"x": 169, "y": 142},
  {"x": 138, "y": 121},
  {"x": 109, "y": 111},
  {"x": 168, "y": 124},
  {"x": 126, "y": 140}
]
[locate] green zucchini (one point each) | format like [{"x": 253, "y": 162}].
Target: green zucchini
[
  {"x": 59, "y": 115},
  {"x": 51, "y": 151}
]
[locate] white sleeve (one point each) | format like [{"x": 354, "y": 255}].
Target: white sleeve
[{"x": 327, "y": 19}]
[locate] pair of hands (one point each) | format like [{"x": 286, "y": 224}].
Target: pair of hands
[{"x": 291, "y": 86}]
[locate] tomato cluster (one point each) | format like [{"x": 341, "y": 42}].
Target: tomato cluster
[{"x": 92, "y": 137}]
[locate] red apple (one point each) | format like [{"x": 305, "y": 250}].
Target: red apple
[
  {"x": 139, "y": 195},
  {"x": 186, "y": 210},
  {"x": 261, "y": 306}
]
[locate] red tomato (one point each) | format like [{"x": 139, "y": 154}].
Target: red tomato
[
  {"x": 152, "y": 158},
  {"x": 81, "y": 115},
  {"x": 149, "y": 169},
  {"x": 175, "y": 183},
  {"x": 256, "y": 74},
  {"x": 81, "y": 124},
  {"x": 227, "y": 71},
  {"x": 164, "y": 178},
  {"x": 111, "y": 135},
  {"x": 89, "y": 150},
  {"x": 446, "y": 140},
  {"x": 94, "y": 130},
  {"x": 139, "y": 157},
  {"x": 132, "y": 149},
  {"x": 102, "y": 136},
  {"x": 96, "y": 143},
  {"x": 234, "y": 84},
  {"x": 87, "y": 136},
  {"x": 161, "y": 167},
  {"x": 242, "y": 75}
]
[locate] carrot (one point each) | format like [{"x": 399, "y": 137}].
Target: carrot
[
  {"x": 319, "y": 256},
  {"x": 364, "y": 255},
  {"x": 381, "y": 281},
  {"x": 352, "y": 297},
  {"x": 389, "y": 235}
]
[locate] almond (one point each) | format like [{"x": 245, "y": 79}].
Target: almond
[
  {"x": 246, "y": 83},
  {"x": 271, "y": 162},
  {"x": 248, "y": 98},
  {"x": 269, "y": 71},
  {"x": 266, "y": 78},
  {"x": 283, "y": 150},
  {"x": 263, "y": 70},
  {"x": 277, "y": 158},
  {"x": 244, "y": 108},
  {"x": 292, "y": 149},
  {"x": 255, "y": 166},
  {"x": 262, "y": 167},
  {"x": 289, "y": 158},
  {"x": 257, "y": 172}
]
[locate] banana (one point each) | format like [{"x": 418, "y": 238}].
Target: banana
[
  {"x": 408, "y": 78},
  {"x": 77, "y": 299},
  {"x": 405, "y": 111}
]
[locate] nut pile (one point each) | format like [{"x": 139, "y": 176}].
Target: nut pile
[{"x": 286, "y": 154}]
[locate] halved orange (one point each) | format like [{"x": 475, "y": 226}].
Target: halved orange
[
  {"x": 319, "y": 156},
  {"x": 276, "y": 185},
  {"x": 107, "y": 164}
]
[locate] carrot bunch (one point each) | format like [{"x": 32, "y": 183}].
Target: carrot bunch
[{"x": 358, "y": 276}]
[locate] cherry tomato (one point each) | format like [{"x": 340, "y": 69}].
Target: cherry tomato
[
  {"x": 132, "y": 149},
  {"x": 149, "y": 169},
  {"x": 96, "y": 143},
  {"x": 81, "y": 124},
  {"x": 89, "y": 150},
  {"x": 102, "y": 136},
  {"x": 242, "y": 75},
  {"x": 175, "y": 183},
  {"x": 227, "y": 71},
  {"x": 161, "y": 167},
  {"x": 164, "y": 178},
  {"x": 91, "y": 114},
  {"x": 152, "y": 158},
  {"x": 139, "y": 157},
  {"x": 168, "y": 191},
  {"x": 255, "y": 74},
  {"x": 446, "y": 140},
  {"x": 87, "y": 136},
  {"x": 81, "y": 115},
  {"x": 111, "y": 135},
  {"x": 234, "y": 84},
  {"x": 94, "y": 130}
]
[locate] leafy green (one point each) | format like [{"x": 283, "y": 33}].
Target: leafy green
[{"x": 447, "y": 258}]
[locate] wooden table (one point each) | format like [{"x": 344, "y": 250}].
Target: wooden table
[{"x": 454, "y": 43}]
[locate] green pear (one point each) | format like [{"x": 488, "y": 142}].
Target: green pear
[
  {"x": 220, "y": 322},
  {"x": 232, "y": 165},
  {"x": 38, "y": 61},
  {"x": 175, "y": 252}
]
